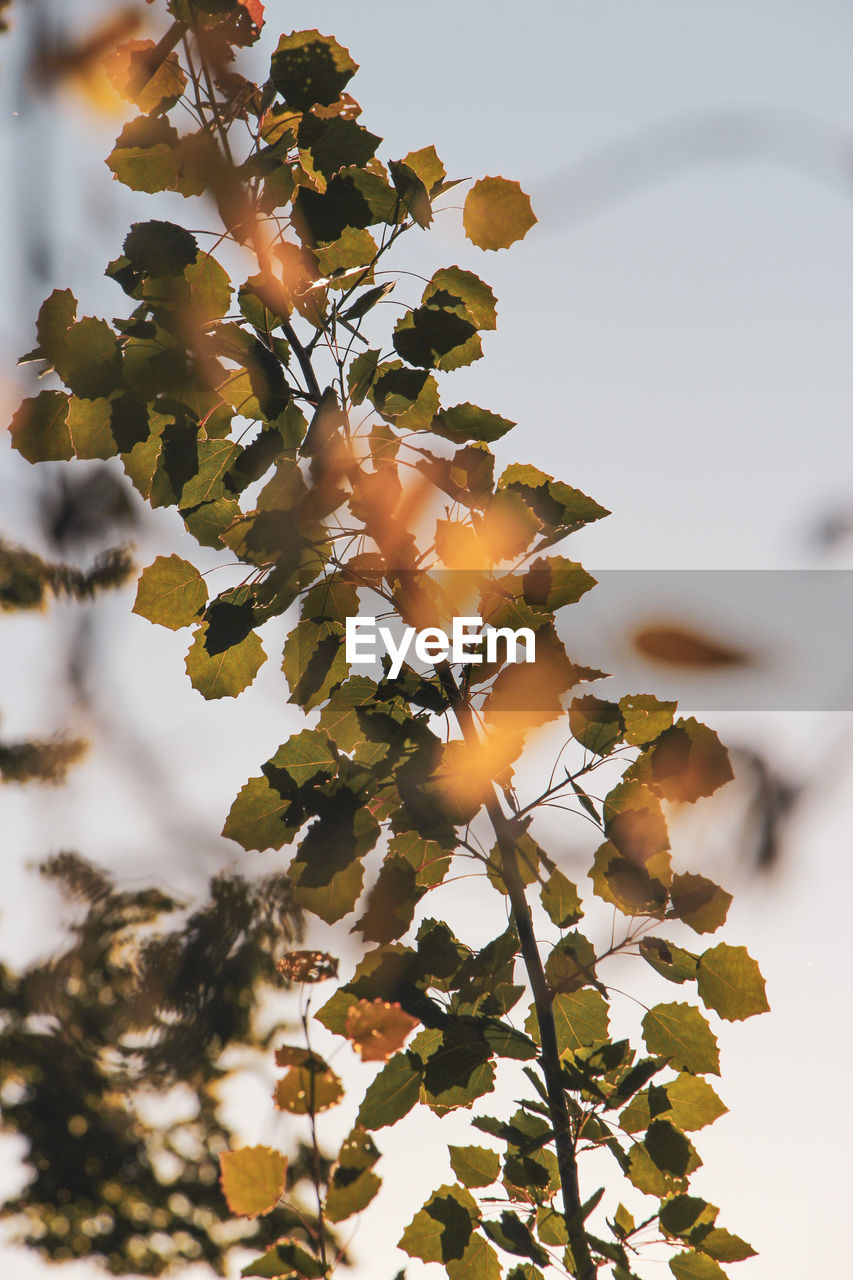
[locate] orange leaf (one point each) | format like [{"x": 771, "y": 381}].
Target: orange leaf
[
  {"x": 255, "y": 10},
  {"x": 677, "y": 646},
  {"x": 377, "y": 1029},
  {"x": 307, "y": 966}
]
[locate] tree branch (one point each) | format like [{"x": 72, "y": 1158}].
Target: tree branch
[{"x": 506, "y": 833}]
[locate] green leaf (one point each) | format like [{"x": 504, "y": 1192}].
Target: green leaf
[
  {"x": 258, "y": 388},
  {"x": 681, "y": 1034},
  {"x": 90, "y": 360},
  {"x": 623, "y": 1221},
  {"x": 580, "y": 1018},
  {"x": 39, "y": 428},
  {"x": 412, "y": 193},
  {"x": 314, "y": 661},
  {"x": 693, "y": 1102},
  {"x": 171, "y": 592},
  {"x": 497, "y": 213},
  {"x": 210, "y": 288},
  {"x": 366, "y": 302},
  {"x": 571, "y": 963},
  {"x": 688, "y": 1101},
  {"x": 253, "y": 1179},
  {"x": 253, "y": 300},
  {"x": 513, "y": 1236},
  {"x": 680, "y": 1214},
  {"x": 199, "y": 165},
  {"x": 258, "y": 817},
  {"x": 430, "y": 334},
  {"x": 327, "y": 870},
  {"x": 56, "y": 315},
  {"x": 354, "y": 198},
  {"x": 554, "y": 582},
  {"x": 561, "y": 900},
  {"x": 90, "y": 427},
  {"x": 391, "y": 902},
  {"x": 475, "y": 1166},
  {"x": 153, "y": 84},
  {"x": 723, "y": 1246},
  {"x": 626, "y": 884},
  {"x": 551, "y": 1229},
  {"x": 597, "y": 725},
  {"x": 360, "y": 375},
  {"x": 335, "y": 1012},
  {"x": 456, "y": 1069},
  {"x": 646, "y": 1175},
  {"x": 227, "y": 673},
  {"x": 339, "y": 717},
  {"x": 327, "y": 146},
  {"x": 286, "y": 1260},
  {"x": 358, "y": 1151},
  {"x": 635, "y": 1077},
  {"x": 730, "y": 982},
  {"x": 478, "y": 1262},
  {"x": 308, "y": 68},
  {"x": 673, "y": 963},
  {"x": 442, "y": 1229},
  {"x": 429, "y": 859},
  {"x": 426, "y": 164},
  {"x": 671, "y": 1151},
  {"x": 355, "y": 248},
  {"x": 332, "y": 897},
  {"x": 209, "y": 520},
  {"x": 406, "y": 397},
  {"x": 347, "y": 1196},
  {"x": 699, "y": 902},
  {"x": 557, "y": 505},
  {"x": 635, "y": 824},
  {"x": 695, "y": 1266},
  {"x": 393, "y": 1093},
  {"x": 470, "y": 290},
  {"x": 645, "y": 717},
  {"x": 145, "y": 155},
  {"x": 689, "y": 761},
  {"x": 159, "y": 248},
  {"x": 305, "y": 756},
  {"x": 464, "y": 422},
  {"x": 527, "y": 1271}
]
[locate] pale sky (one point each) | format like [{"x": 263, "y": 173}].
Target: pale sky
[{"x": 674, "y": 338}]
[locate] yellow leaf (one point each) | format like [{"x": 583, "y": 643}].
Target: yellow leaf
[
  {"x": 252, "y": 1179},
  {"x": 497, "y": 213}
]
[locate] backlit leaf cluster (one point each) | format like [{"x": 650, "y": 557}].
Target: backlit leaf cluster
[{"x": 305, "y": 430}]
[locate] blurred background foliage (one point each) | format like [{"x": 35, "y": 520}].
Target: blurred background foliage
[{"x": 114, "y": 1050}]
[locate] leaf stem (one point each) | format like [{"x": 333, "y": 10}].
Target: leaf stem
[{"x": 315, "y": 1149}]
